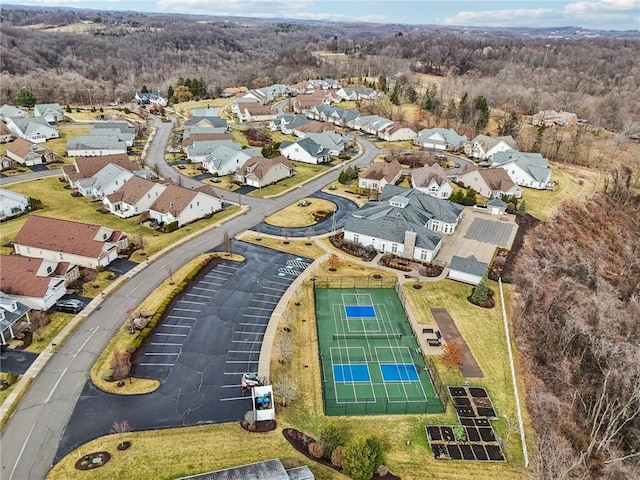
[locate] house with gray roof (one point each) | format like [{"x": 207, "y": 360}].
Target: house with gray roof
[
  {"x": 484, "y": 147},
  {"x": 203, "y": 130},
  {"x": 197, "y": 152},
  {"x": 326, "y": 84},
  {"x": 9, "y": 111},
  {"x": 445, "y": 139},
  {"x": 122, "y": 127},
  {"x": 371, "y": 124},
  {"x": 467, "y": 269},
  {"x": 125, "y": 137},
  {"x": 525, "y": 169},
  {"x": 11, "y": 313},
  {"x": 106, "y": 181},
  {"x": 357, "y": 93},
  {"x": 95, "y": 146},
  {"x": 12, "y": 204},
  {"x": 305, "y": 150},
  {"x": 228, "y": 158},
  {"x": 265, "y": 470},
  {"x": 198, "y": 121},
  {"x": 205, "y": 112},
  {"x": 36, "y": 130},
  {"x": 287, "y": 123},
  {"x": 405, "y": 222},
  {"x": 334, "y": 142},
  {"x": 51, "y": 112},
  {"x": 431, "y": 179}
]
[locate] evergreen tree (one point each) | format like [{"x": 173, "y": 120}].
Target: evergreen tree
[
  {"x": 170, "y": 93},
  {"x": 470, "y": 197},
  {"x": 481, "y": 292},
  {"x": 144, "y": 89},
  {"x": 395, "y": 96},
  {"x": 522, "y": 208},
  {"x": 382, "y": 83},
  {"x": 362, "y": 457},
  {"x": 24, "y": 98},
  {"x": 464, "y": 109},
  {"x": 480, "y": 112}
]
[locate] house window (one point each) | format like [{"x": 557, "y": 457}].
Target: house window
[
  {"x": 61, "y": 256},
  {"x": 424, "y": 255},
  {"x": 356, "y": 238},
  {"x": 394, "y": 248}
]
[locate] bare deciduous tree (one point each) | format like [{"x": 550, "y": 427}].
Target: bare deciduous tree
[{"x": 286, "y": 388}]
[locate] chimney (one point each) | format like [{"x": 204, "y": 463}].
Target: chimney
[{"x": 409, "y": 244}]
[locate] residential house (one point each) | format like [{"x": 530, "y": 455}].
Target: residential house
[
  {"x": 133, "y": 198},
  {"x": 104, "y": 182},
  {"x": 148, "y": 98},
  {"x": 121, "y": 127},
  {"x": 232, "y": 91},
  {"x": 440, "y": 139},
  {"x": 12, "y": 315},
  {"x": 484, "y": 147},
  {"x": 9, "y": 111},
  {"x": 36, "y": 130},
  {"x": 183, "y": 205},
  {"x": 210, "y": 122},
  {"x": 404, "y": 222},
  {"x": 303, "y": 102},
  {"x": 357, "y": 93},
  {"x": 127, "y": 138},
  {"x": 313, "y": 126},
  {"x": 260, "y": 172},
  {"x": 12, "y": 204},
  {"x": 198, "y": 151},
  {"x": 525, "y": 169},
  {"x": 240, "y": 102},
  {"x": 305, "y": 150},
  {"x": 287, "y": 123},
  {"x": 551, "y": 118},
  {"x": 227, "y": 159},
  {"x": 341, "y": 116},
  {"x": 205, "y": 112},
  {"x": 490, "y": 183},
  {"x": 326, "y": 84},
  {"x": 333, "y": 141},
  {"x": 366, "y": 121},
  {"x": 36, "y": 282},
  {"x": 5, "y": 133},
  {"x": 467, "y": 269},
  {"x": 431, "y": 179},
  {"x": 28, "y": 153},
  {"x": 95, "y": 146},
  {"x": 379, "y": 175},
  {"x": 250, "y": 112},
  {"x": 205, "y": 137},
  {"x": 397, "y": 132},
  {"x": 51, "y": 112},
  {"x": 82, "y": 244},
  {"x": 87, "y": 167}
]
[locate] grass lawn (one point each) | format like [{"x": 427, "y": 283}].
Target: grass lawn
[
  {"x": 189, "y": 169},
  {"x": 304, "y": 172},
  {"x": 573, "y": 182},
  {"x": 5, "y": 393},
  {"x": 346, "y": 191},
  {"x": 226, "y": 182},
  {"x": 184, "y": 107},
  {"x": 58, "y": 203},
  {"x": 296, "y": 247},
  {"x": 300, "y": 214},
  {"x": 399, "y": 145},
  {"x": 57, "y": 321}
]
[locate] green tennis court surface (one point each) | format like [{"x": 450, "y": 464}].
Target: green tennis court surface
[{"x": 370, "y": 360}]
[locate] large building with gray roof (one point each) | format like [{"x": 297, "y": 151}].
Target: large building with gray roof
[{"x": 405, "y": 222}]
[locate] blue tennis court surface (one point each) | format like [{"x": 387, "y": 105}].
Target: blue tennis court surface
[
  {"x": 399, "y": 372},
  {"x": 351, "y": 373},
  {"x": 359, "y": 311}
]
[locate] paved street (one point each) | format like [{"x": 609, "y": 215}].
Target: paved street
[{"x": 30, "y": 438}]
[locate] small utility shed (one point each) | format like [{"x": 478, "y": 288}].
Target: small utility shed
[
  {"x": 496, "y": 206},
  {"x": 267, "y": 470},
  {"x": 467, "y": 269}
]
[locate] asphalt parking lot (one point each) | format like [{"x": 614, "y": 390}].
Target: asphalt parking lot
[{"x": 210, "y": 337}]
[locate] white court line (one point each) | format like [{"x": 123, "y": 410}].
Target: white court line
[
  {"x": 235, "y": 398},
  {"x": 174, "y": 325},
  {"x": 172, "y": 334}
]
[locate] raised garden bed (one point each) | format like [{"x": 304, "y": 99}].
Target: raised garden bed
[
  {"x": 352, "y": 248},
  {"x": 93, "y": 460}
]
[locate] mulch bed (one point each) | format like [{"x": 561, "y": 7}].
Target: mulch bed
[
  {"x": 299, "y": 440},
  {"x": 261, "y": 427},
  {"x": 93, "y": 460},
  {"x": 488, "y": 303}
]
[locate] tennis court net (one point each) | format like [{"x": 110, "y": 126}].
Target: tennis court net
[{"x": 366, "y": 336}]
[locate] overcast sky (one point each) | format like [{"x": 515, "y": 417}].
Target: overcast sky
[{"x": 598, "y": 14}]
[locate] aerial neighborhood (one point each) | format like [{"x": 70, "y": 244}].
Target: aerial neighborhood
[{"x": 349, "y": 256}]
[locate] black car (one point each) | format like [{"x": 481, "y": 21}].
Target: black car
[{"x": 70, "y": 305}]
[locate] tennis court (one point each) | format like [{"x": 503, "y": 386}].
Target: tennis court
[{"x": 370, "y": 360}]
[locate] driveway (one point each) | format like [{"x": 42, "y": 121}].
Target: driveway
[
  {"x": 121, "y": 266},
  {"x": 326, "y": 225},
  {"x": 210, "y": 337},
  {"x": 16, "y": 361}
]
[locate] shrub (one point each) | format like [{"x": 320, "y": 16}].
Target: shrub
[
  {"x": 331, "y": 436},
  {"x": 316, "y": 449},
  {"x": 337, "y": 456},
  {"x": 362, "y": 457},
  {"x": 383, "y": 470},
  {"x": 481, "y": 292}
]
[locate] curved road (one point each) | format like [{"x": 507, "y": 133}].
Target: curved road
[{"x": 30, "y": 438}]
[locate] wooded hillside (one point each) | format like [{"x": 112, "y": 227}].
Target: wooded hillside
[{"x": 576, "y": 322}]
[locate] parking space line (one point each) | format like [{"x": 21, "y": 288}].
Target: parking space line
[
  {"x": 159, "y": 354},
  {"x": 187, "y": 310},
  {"x": 276, "y": 289},
  {"x": 158, "y": 364},
  {"x": 172, "y": 334},
  {"x": 266, "y": 301},
  {"x": 246, "y": 341},
  {"x": 242, "y": 361},
  {"x": 261, "y": 308},
  {"x": 174, "y": 325},
  {"x": 169, "y": 344},
  {"x": 268, "y": 294},
  {"x": 192, "y": 301},
  {"x": 250, "y": 333},
  {"x": 254, "y": 324},
  {"x": 179, "y": 317},
  {"x": 236, "y": 385},
  {"x": 196, "y": 295},
  {"x": 284, "y": 284},
  {"x": 243, "y": 351},
  {"x": 234, "y": 398},
  {"x": 266, "y": 317},
  {"x": 205, "y": 289},
  {"x": 211, "y": 283}
]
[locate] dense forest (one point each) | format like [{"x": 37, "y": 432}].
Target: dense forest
[{"x": 59, "y": 56}]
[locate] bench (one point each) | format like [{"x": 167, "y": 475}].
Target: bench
[{"x": 434, "y": 342}]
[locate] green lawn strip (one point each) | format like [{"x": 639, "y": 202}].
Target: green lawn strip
[
  {"x": 57, "y": 321},
  {"x": 296, "y": 247},
  {"x": 304, "y": 172},
  {"x": 301, "y": 214},
  {"x": 58, "y": 203},
  {"x": 238, "y": 136},
  {"x": 184, "y": 107},
  {"x": 5, "y": 393},
  {"x": 483, "y": 331}
]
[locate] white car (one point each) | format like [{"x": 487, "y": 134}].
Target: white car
[{"x": 250, "y": 380}]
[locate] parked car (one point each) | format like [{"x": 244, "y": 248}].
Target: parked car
[
  {"x": 249, "y": 380},
  {"x": 70, "y": 305}
]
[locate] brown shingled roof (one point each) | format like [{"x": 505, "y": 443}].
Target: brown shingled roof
[
  {"x": 497, "y": 179},
  {"x": 18, "y": 276},
  {"x": 21, "y": 148},
  {"x": 316, "y": 127},
  {"x": 378, "y": 171},
  {"x": 259, "y": 166},
  {"x": 423, "y": 176},
  {"x": 202, "y": 137},
  {"x": 173, "y": 200},
  {"x": 85, "y": 167},
  {"x": 255, "y": 108},
  {"x": 132, "y": 190},
  {"x": 4, "y": 130},
  {"x": 62, "y": 236}
]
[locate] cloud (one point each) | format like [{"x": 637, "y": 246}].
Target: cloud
[
  {"x": 502, "y": 18},
  {"x": 248, "y": 8}
]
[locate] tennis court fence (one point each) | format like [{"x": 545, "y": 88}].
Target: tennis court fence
[{"x": 354, "y": 282}]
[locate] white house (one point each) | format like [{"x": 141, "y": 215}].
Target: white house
[
  {"x": 467, "y": 269},
  {"x": 198, "y": 150},
  {"x": 260, "y": 172},
  {"x": 305, "y": 150},
  {"x": 28, "y": 153},
  {"x": 104, "y": 182},
  {"x": 77, "y": 243},
  {"x": 133, "y": 197},
  {"x": 86, "y": 167},
  {"x": 9, "y": 111},
  {"x": 379, "y": 175},
  {"x": 36, "y": 282},
  {"x": 12, "y": 312},
  {"x": 150, "y": 98},
  {"x": 126, "y": 137},
  {"x": 95, "y": 146},
  {"x": 484, "y": 147},
  {"x": 332, "y": 141},
  {"x": 12, "y": 204},
  {"x": 228, "y": 159},
  {"x": 5, "y": 133},
  {"x": 397, "y": 132},
  {"x": 551, "y": 118},
  {"x": 431, "y": 179},
  {"x": 357, "y": 93},
  {"x": 183, "y": 205},
  {"x": 490, "y": 183},
  {"x": 440, "y": 139},
  {"x": 255, "y": 112},
  {"x": 51, "y": 112},
  {"x": 525, "y": 169},
  {"x": 404, "y": 222},
  {"x": 36, "y": 130}
]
